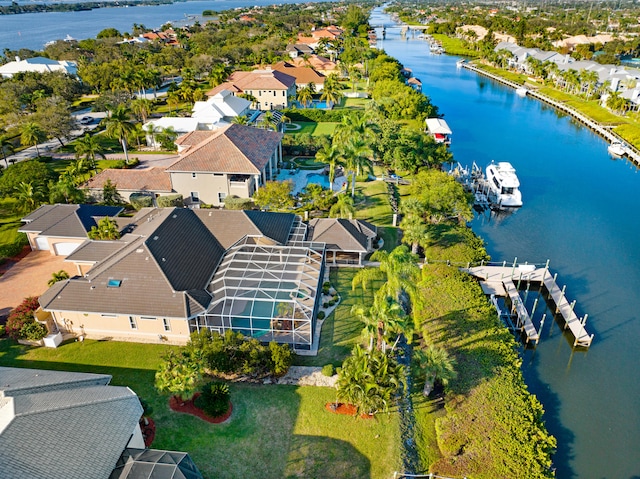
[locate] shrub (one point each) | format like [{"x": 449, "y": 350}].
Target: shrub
[
  {"x": 235, "y": 203},
  {"x": 281, "y": 358},
  {"x": 3, "y": 330},
  {"x": 33, "y": 331},
  {"x": 321, "y": 315},
  {"x": 170, "y": 200},
  {"x": 328, "y": 370},
  {"x": 12, "y": 249},
  {"x": 140, "y": 200},
  {"x": 21, "y": 317},
  {"x": 326, "y": 284},
  {"x": 214, "y": 398},
  {"x": 325, "y": 305}
]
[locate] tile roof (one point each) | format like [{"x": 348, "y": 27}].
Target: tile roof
[
  {"x": 341, "y": 234},
  {"x": 302, "y": 74},
  {"x": 262, "y": 80},
  {"x": 229, "y": 86},
  {"x": 146, "y": 179},
  {"x": 72, "y": 221},
  {"x": 316, "y": 61},
  {"x": 94, "y": 251},
  {"x": 62, "y": 427},
  {"x": 233, "y": 149}
]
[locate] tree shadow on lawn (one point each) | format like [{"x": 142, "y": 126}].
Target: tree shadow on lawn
[{"x": 316, "y": 456}]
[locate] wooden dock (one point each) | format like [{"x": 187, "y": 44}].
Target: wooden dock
[
  {"x": 499, "y": 280},
  {"x": 604, "y": 131}
]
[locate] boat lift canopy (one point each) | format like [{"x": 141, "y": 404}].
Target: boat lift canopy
[{"x": 438, "y": 125}]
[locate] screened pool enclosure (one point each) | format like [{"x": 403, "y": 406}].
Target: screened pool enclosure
[{"x": 267, "y": 291}]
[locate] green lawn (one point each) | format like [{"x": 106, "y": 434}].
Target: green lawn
[
  {"x": 314, "y": 129},
  {"x": 356, "y": 103},
  {"x": 9, "y": 221},
  {"x": 372, "y": 203},
  {"x": 274, "y": 432}
]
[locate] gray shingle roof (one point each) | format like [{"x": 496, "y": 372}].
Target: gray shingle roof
[
  {"x": 64, "y": 430},
  {"x": 94, "y": 251},
  {"x": 72, "y": 221},
  {"x": 341, "y": 234}
]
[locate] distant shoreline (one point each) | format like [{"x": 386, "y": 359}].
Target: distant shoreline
[{"x": 16, "y": 9}]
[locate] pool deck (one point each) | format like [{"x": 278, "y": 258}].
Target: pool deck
[{"x": 299, "y": 179}]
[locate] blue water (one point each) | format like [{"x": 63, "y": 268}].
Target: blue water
[
  {"x": 581, "y": 212},
  {"x": 319, "y": 179},
  {"x": 33, "y": 30},
  {"x": 317, "y": 104}
]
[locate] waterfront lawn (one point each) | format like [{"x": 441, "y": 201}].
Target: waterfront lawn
[
  {"x": 454, "y": 46},
  {"x": 372, "y": 203},
  {"x": 518, "y": 78},
  {"x": 274, "y": 432},
  {"x": 590, "y": 108}
]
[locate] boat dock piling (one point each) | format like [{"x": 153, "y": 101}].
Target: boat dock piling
[
  {"x": 499, "y": 281},
  {"x": 605, "y": 132}
]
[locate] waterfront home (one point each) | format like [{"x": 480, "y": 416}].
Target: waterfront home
[
  {"x": 178, "y": 270},
  {"x": 60, "y": 229},
  {"x": 38, "y": 65},
  {"x": 304, "y": 75},
  {"x": 57, "y": 425},
  {"x": 270, "y": 89}
]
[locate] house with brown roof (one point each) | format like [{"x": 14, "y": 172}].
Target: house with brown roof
[
  {"x": 347, "y": 241},
  {"x": 60, "y": 229},
  {"x": 177, "y": 270},
  {"x": 154, "y": 181},
  {"x": 235, "y": 160},
  {"x": 272, "y": 90},
  {"x": 318, "y": 63},
  {"x": 303, "y": 74}
]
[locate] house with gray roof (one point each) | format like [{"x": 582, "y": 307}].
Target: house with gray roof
[
  {"x": 178, "y": 270},
  {"x": 347, "y": 241},
  {"x": 60, "y": 229}
]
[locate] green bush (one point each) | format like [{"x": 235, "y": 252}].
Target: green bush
[
  {"x": 318, "y": 116},
  {"x": 170, "y": 200},
  {"x": 9, "y": 250},
  {"x": 235, "y": 203},
  {"x": 33, "y": 331},
  {"x": 3, "y": 330},
  {"x": 328, "y": 370},
  {"x": 214, "y": 399},
  {"x": 321, "y": 315},
  {"x": 326, "y": 284},
  {"x": 21, "y": 323},
  {"x": 281, "y": 358},
  {"x": 140, "y": 200}
]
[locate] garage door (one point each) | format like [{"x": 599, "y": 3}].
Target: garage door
[
  {"x": 42, "y": 243},
  {"x": 63, "y": 249}
]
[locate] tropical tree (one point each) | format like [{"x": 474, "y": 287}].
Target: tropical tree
[
  {"x": 179, "y": 375},
  {"x": 240, "y": 120},
  {"x": 58, "y": 276},
  {"x": 141, "y": 107},
  {"x": 65, "y": 190},
  {"x": 435, "y": 365},
  {"x": 356, "y": 156},
  {"x": 167, "y": 138},
  {"x": 370, "y": 380},
  {"x": 331, "y": 91},
  {"x": 118, "y": 126},
  {"x": 31, "y": 134},
  {"x": 383, "y": 317},
  {"x": 305, "y": 96},
  {"x": 106, "y": 229},
  {"x": 6, "y": 146},
  {"x": 88, "y": 147},
  {"x": 275, "y": 196},
  {"x": 29, "y": 196},
  {"x": 343, "y": 207},
  {"x": 110, "y": 195},
  {"x": 331, "y": 155},
  {"x": 441, "y": 198}
]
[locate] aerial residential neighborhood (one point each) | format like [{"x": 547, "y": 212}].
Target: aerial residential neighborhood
[{"x": 274, "y": 241}]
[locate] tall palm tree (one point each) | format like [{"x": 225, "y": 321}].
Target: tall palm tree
[
  {"x": 415, "y": 231},
  {"x": 436, "y": 365},
  {"x": 31, "y": 134},
  {"x": 331, "y": 155},
  {"x": 305, "y": 96},
  {"x": 6, "y": 146},
  {"x": 385, "y": 314},
  {"x": 28, "y": 196},
  {"x": 356, "y": 156},
  {"x": 141, "y": 107},
  {"x": 117, "y": 125},
  {"x": 343, "y": 208},
  {"x": 331, "y": 90},
  {"x": 88, "y": 147}
]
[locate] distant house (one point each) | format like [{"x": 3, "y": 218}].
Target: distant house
[
  {"x": 219, "y": 110},
  {"x": 38, "y": 65},
  {"x": 151, "y": 181},
  {"x": 296, "y": 50},
  {"x": 60, "y": 425},
  {"x": 318, "y": 63},
  {"x": 302, "y": 74},
  {"x": 348, "y": 241},
  {"x": 60, "y": 229},
  {"x": 178, "y": 270},
  {"x": 234, "y": 160},
  {"x": 415, "y": 83},
  {"x": 177, "y": 124},
  {"x": 272, "y": 90}
]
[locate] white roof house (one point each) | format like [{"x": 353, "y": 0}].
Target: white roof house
[
  {"x": 221, "y": 106},
  {"x": 179, "y": 125},
  {"x": 39, "y": 65},
  {"x": 437, "y": 125}
]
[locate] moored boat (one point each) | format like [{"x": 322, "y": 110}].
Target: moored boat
[
  {"x": 504, "y": 185},
  {"x": 617, "y": 148},
  {"x": 522, "y": 91}
]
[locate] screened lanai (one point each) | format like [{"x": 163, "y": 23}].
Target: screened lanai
[{"x": 269, "y": 292}]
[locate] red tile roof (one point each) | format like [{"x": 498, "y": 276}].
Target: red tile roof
[
  {"x": 148, "y": 179},
  {"x": 261, "y": 80},
  {"x": 302, "y": 74}
]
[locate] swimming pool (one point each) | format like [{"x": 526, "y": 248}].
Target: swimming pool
[
  {"x": 318, "y": 179},
  {"x": 318, "y": 104}
]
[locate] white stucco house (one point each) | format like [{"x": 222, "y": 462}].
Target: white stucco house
[{"x": 39, "y": 65}]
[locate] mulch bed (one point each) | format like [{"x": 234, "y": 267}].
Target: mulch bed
[
  {"x": 188, "y": 407},
  {"x": 148, "y": 428},
  {"x": 346, "y": 409}
]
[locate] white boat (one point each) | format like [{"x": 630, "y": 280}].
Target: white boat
[
  {"x": 617, "y": 148},
  {"x": 522, "y": 91},
  {"x": 504, "y": 185},
  {"x": 439, "y": 130}
]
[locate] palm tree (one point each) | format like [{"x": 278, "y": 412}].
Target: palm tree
[
  {"x": 240, "y": 120},
  {"x": 31, "y": 134},
  {"x": 436, "y": 365},
  {"x": 179, "y": 375},
  {"x": 331, "y": 90},
  {"x": 118, "y": 126},
  {"x": 167, "y": 138},
  {"x": 141, "y": 107},
  {"x": 385, "y": 315},
  {"x": 305, "y": 96},
  {"x": 28, "y": 196},
  {"x": 58, "y": 276},
  {"x": 414, "y": 231},
  {"x": 343, "y": 208},
  {"x": 331, "y": 155},
  {"x": 6, "y": 146},
  {"x": 106, "y": 229},
  {"x": 356, "y": 155},
  {"x": 88, "y": 147}
]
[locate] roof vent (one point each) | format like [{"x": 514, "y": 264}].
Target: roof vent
[
  {"x": 155, "y": 238},
  {"x": 163, "y": 260},
  {"x": 139, "y": 250},
  {"x": 174, "y": 216}
]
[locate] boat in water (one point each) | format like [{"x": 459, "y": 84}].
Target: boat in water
[
  {"x": 522, "y": 91},
  {"x": 617, "y": 148},
  {"x": 504, "y": 185}
]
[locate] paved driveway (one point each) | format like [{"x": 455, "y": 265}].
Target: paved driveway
[{"x": 29, "y": 277}]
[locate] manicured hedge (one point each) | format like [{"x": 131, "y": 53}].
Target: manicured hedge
[
  {"x": 140, "y": 200},
  {"x": 170, "y": 200},
  {"x": 319, "y": 116}
]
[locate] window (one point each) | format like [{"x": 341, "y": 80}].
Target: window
[
  {"x": 218, "y": 174},
  {"x": 284, "y": 93},
  {"x": 259, "y": 92},
  {"x": 132, "y": 322},
  {"x": 147, "y": 318},
  {"x": 167, "y": 324},
  {"x": 194, "y": 175},
  {"x": 114, "y": 283},
  {"x": 109, "y": 315},
  {"x": 221, "y": 197},
  {"x": 195, "y": 197}
]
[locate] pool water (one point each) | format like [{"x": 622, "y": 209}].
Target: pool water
[{"x": 318, "y": 179}]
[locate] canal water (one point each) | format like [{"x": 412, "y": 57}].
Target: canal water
[{"x": 581, "y": 211}]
